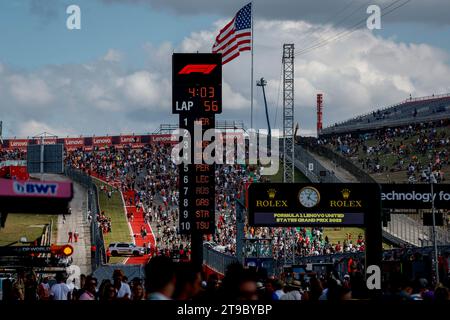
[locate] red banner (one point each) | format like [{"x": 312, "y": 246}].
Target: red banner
[
  {"x": 163, "y": 138},
  {"x": 102, "y": 141},
  {"x": 130, "y": 139},
  {"x": 20, "y": 144},
  {"x": 46, "y": 141},
  {"x": 73, "y": 143}
]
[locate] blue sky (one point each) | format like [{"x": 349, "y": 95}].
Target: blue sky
[
  {"x": 30, "y": 40},
  {"x": 113, "y": 75}
]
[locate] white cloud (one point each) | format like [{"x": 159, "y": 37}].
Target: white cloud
[
  {"x": 144, "y": 88},
  {"x": 32, "y": 128},
  {"x": 29, "y": 90},
  {"x": 431, "y": 11},
  {"x": 356, "y": 75},
  {"x": 113, "y": 56},
  {"x": 233, "y": 100}
]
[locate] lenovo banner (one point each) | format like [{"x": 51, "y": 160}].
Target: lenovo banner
[
  {"x": 101, "y": 141},
  {"x": 163, "y": 138},
  {"x": 47, "y": 141},
  {"x": 20, "y": 144},
  {"x": 73, "y": 143},
  {"x": 130, "y": 139},
  {"x": 87, "y": 143}
]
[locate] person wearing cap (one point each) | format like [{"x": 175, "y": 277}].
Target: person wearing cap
[
  {"x": 260, "y": 288},
  {"x": 293, "y": 291},
  {"x": 122, "y": 288}
]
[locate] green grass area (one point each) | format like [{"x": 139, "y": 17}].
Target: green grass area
[
  {"x": 278, "y": 177},
  {"x": 341, "y": 234},
  {"x": 30, "y": 226},
  {"x": 390, "y": 160},
  {"x": 114, "y": 209}
]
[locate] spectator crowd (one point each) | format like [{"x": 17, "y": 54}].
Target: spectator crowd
[
  {"x": 152, "y": 177},
  {"x": 420, "y": 150},
  {"x": 167, "y": 280}
]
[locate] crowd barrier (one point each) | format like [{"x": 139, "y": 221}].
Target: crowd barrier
[
  {"x": 98, "y": 250},
  {"x": 217, "y": 261}
]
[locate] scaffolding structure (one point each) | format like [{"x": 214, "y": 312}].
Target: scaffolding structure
[{"x": 288, "y": 113}]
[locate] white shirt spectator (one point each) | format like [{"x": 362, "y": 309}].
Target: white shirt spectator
[
  {"x": 279, "y": 293},
  {"x": 292, "y": 295},
  {"x": 59, "y": 291},
  {"x": 124, "y": 290}
]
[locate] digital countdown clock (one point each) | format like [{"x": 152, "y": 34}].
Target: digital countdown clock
[{"x": 197, "y": 84}]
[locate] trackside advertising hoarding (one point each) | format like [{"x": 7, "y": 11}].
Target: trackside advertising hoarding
[
  {"x": 40, "y": 189},
  {"x": 101, "y": 142},
  {"x": 415, "y": 196},
  {"x": 300, "y": 204}
]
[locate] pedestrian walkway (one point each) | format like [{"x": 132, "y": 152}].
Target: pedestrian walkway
[
  {"x": 75, "y": 222},
  {"x": 136, "y": 225},
  {"x": 340, "y": 173}
]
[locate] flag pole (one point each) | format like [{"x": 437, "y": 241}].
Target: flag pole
[{"x": 251, "y": 80}]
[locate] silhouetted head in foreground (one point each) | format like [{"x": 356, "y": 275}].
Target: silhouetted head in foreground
[{"x": 160, "y": 278}]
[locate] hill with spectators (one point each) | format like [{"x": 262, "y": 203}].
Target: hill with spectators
[{"x": 407, "y": 153}]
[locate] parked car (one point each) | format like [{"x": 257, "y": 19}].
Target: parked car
[{"x": 122, "y": 248}]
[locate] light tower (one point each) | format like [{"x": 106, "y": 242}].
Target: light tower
[
  {"x": 262, "y": 83},
  {"x": 288, "y": 112}
]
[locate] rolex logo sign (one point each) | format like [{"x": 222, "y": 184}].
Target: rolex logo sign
[
  {"x": 271, "y": 193},
  {"x": 271, "y": 203},
  {"x": 346, "y": 203},
  {"x": 345, "y": 194}
]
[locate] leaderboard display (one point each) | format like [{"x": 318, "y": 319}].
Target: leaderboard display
[
  {"x": 196, "y": 98},
  {"x": 298, "y": 204}
]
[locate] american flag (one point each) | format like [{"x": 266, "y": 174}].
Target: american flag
[{"x": 236, "y": 36}]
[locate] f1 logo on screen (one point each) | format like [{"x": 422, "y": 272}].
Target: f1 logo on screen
[{"x": 198, "y": 68}]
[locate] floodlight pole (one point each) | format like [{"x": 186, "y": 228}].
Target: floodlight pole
[
  {"x": 42, "y": 158},
  {"x": 262, "y": 83}
]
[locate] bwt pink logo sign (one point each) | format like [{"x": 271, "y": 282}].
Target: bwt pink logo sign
[{"x": 29, "y": 188}]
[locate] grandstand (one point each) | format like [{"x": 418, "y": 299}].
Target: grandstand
[
  {"x": 410, "y": 111},
  {"x": 138, "y": 172},
  {"x": 404, "y": 143}
]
